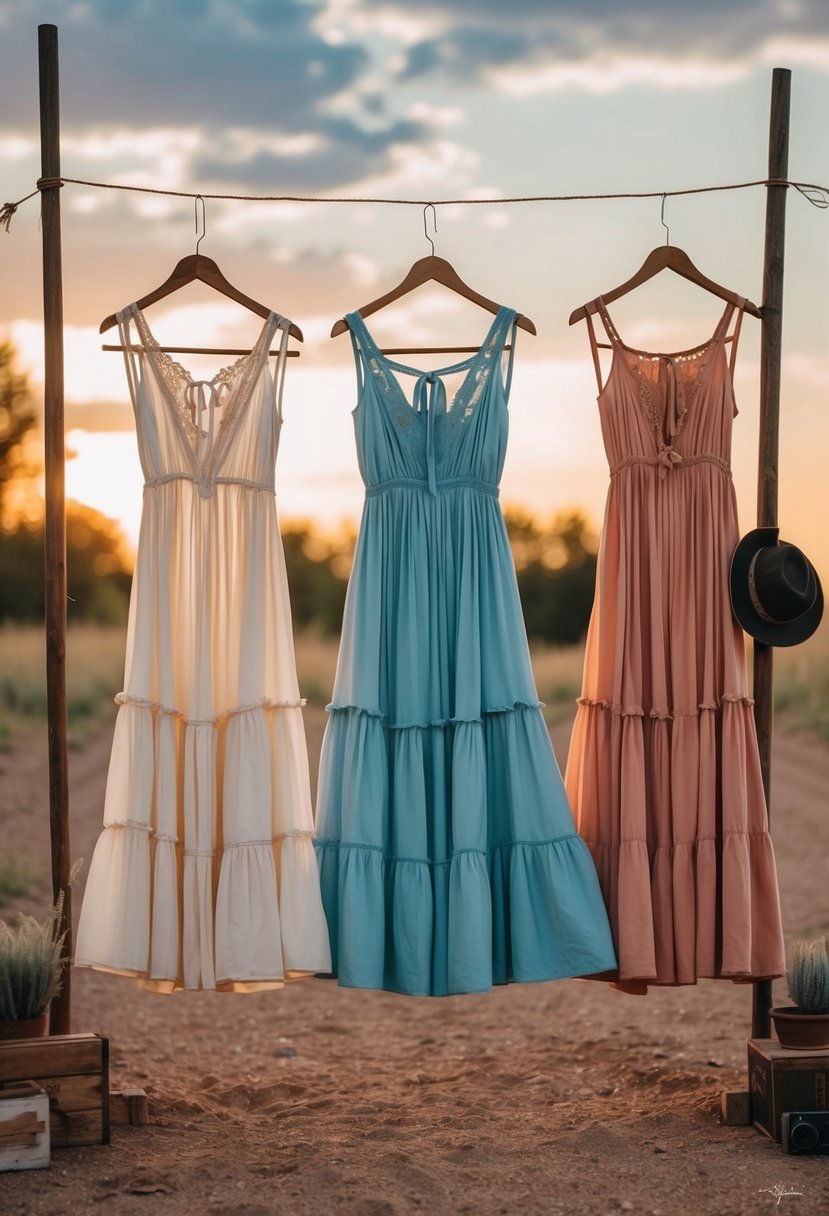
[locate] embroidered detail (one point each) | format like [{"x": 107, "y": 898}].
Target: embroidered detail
[
  {"x": 679, "y": 395},
  {"x": 229, "y": 388},
  {"x": 440, "y": 423}
]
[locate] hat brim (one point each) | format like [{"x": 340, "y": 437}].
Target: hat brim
[{"x": 788, "y": 633}]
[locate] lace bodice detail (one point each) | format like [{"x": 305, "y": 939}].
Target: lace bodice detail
[
  {"x": 206, "y": 414},
  {"x": 424, "y": 440},
  {"x": 667, "y": 408}
]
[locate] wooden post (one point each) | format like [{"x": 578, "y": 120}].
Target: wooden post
[
  {"x": 55, "y": 520},
  {"x": 770, "y": 360}
]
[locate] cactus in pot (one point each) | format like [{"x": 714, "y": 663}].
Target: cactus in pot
[
  {"x": 808, "y": 976},
  {"x": 806, "y": 1024}
]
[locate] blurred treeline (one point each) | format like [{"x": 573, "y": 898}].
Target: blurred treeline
[{"x": 555, "y": 562}]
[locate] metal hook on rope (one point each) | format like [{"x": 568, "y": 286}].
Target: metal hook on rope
[
  {"x": 662, "y": 222},
  {"x": 434, "y": 221},
  {"x": 200, "y": 235}
]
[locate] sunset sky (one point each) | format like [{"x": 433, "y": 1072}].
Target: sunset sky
[{"x": 418, "y": 99}]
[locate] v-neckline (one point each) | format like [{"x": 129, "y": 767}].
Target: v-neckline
[
  {"x": 439, "y": 372},
  {"x": 205, "y": 468}
]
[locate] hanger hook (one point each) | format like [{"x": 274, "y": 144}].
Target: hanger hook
[
  {"x": 434, "y": 221},
  {"x": 200, "y": 235},
  {"x": 662, "y": 222}
]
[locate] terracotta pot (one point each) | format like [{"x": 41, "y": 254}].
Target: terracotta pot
[
  {"x": 25, "y": 1028},
  {"x": 797, "y": 1029}
]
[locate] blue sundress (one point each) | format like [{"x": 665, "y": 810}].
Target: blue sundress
[{"x": 448, "y": 856}]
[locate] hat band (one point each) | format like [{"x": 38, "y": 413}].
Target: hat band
[{"x": 755, "y": 599}]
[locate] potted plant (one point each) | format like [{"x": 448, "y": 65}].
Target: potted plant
[
  {"x": 31, "y": 972},
  {"x": 806, "y": 1023}
]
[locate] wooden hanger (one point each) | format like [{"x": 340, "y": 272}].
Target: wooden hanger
[
  {"x": 189, "y": 269},
  {"x": 426, "y": 270},
  {"x": 431, "y": 269},
  {"x": 669, "y": 257}
]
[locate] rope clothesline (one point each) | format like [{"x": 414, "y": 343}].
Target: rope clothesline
[{"x": 818, "y": 196}]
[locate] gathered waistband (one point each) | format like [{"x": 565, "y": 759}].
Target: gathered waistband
[
  {"x": 450, "y": 483},
  {"x": 682, "y": 463},
  {"x": 206, "y": 486}
]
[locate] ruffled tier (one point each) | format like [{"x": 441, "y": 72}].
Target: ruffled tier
[
  {"x": 204, "y": 875},
  {"x": 448, "y": 856},
  {"x": 671, "y": 805}
]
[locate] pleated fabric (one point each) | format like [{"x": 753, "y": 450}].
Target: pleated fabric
[
  {"x": 448, "y": 856},
  {"x": 663, "y": 771},
  {"x": 205, "y": 874}
]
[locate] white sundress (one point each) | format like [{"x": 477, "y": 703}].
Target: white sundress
[{"x": 204, "y": 875}]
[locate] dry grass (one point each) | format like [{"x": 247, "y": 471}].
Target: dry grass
[
  {"x": 94, "y": 673},
  {"x": 15, "y": 880},
  {"x": 95, "y": 661},
  {"x": 801, "y": 684}
]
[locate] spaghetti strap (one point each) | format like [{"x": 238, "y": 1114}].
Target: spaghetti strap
[
  {"x": 594, "y": 346},
  {"x": 284, "y": 325},
  {"x": 735, "y": 337},
  {"x": 598, "y": 305},
  {"x": 353, "y": 332},
  {"x": 724, "y": 322},
  {"x": 123, "y": 318},
  {"x": 511, "y": 359}
]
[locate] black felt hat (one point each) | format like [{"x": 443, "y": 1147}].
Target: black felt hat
[{"x": 775, "y": 592}]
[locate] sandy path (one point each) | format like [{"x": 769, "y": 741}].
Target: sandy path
[{"x": 559, "y": 1097}]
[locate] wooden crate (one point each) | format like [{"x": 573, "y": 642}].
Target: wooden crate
[
  {"x": 781, "y": 1079},
  {"x": 24, "y": 1127},
  {"x": 73, "y": 1069}
]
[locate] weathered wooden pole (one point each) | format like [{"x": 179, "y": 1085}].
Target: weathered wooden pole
[
  {"x": 770, "y": 361},
  {"x": 55, "y": 522}
]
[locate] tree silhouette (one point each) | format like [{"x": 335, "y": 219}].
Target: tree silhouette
[{"x": 17, "y": 418}]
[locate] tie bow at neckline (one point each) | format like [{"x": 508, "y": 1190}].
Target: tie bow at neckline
[{"x": 430, "y": 400}]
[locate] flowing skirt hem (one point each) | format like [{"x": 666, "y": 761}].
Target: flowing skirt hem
[{"x": 522, "y": 911}]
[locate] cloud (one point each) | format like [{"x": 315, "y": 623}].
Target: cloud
[
  {"x": 188, "y": 62},
  {"x": 601, "y": 45},
  {"x": 268, "y": 68},
  {"x": 340, "y": 152}
]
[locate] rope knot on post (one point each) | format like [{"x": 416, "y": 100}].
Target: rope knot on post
[{"x": 8, "y": 209}]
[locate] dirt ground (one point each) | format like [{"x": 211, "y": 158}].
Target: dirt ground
[{"x": 563, "y": 1097}]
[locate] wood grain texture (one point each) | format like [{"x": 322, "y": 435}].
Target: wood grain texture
[
  {"x": 770, "y": 366},
  {"x": 55, "y": 502}
]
